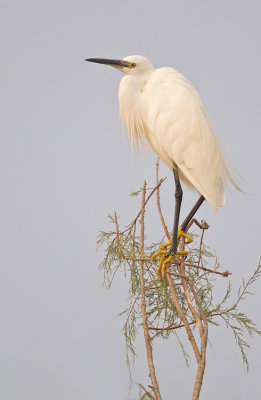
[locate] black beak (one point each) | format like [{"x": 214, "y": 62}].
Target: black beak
[{"x": 114, "y": 63}]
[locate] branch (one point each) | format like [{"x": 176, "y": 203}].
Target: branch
[
  {"x": 182, "y": 315},
  {"x": 200, "y": 247},
  {"x": 148, "y": 259},
  {"x": 146, "y": 393},
  {"x": 185, "y": 300},
  {"x": 202, "y": 225},
  {"x": 146, "y": 201},
  {"x": 203, "y": 328},
  {"x": 188, "y": 298},
  {"x": 225, "y": 273},
  {"x": 152, "y": 372},
  {"x": 204, "y": 338}
]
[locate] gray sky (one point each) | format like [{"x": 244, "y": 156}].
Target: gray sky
[{"x": 65, "y": 165}]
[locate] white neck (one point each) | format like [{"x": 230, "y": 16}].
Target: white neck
[{"x": 132, "y": 107}]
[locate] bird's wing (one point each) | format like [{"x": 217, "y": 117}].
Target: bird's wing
[
  {"x": 214, "y": 194},
  {"x": 181, "y": 134}
]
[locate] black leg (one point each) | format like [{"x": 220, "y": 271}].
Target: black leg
[
  {"x": 192, "y": 213},
  {"x": 178, "y": 197}
]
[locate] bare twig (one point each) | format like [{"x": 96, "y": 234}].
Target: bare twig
[
  {"x": 187, "y": 294},
  {"x": 178, "y": 275},
  {"x": 182, "y": 315},
  {"x": 225, "y": 273},
  {"x": 146, "y": 201},
  {"x": 148, "y": 259},
  {"x": 202, "y": 327},
  {"x": 146, "y": 393},
  {"x": 189, "y": 264},
  {"x": 200, "y": 247},
  {"x": 204, "y": 338},
  {"x": 152, "y": 372},
  {"x": 202, "y": 225}
]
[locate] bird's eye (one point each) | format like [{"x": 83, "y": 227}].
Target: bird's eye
[{"x": 133, "y": 65}]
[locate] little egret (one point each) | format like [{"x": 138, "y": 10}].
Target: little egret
[{"x": 159, "y": 106}]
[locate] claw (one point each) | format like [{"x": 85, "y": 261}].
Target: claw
[
  {"x": 165, "y": 257},
  {"x": 183, "y": 234}
]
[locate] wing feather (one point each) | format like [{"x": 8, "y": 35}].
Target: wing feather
[{"x": 181, "y": 134}]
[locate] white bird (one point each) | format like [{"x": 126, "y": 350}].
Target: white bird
[{"x": 160, "y": 106}]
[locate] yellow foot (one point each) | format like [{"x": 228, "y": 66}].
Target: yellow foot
[{"x": 165, "y": 257}]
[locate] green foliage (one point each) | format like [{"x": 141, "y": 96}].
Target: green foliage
[{"x": 122, "y": 252}]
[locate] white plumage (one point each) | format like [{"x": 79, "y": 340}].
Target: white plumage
[{"x": 161, "y": 106}]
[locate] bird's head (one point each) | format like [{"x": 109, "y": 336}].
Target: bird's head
[{"x": 131, "y": 65}]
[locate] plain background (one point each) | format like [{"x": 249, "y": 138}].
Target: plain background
[{"x": 65, "y": 165}]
